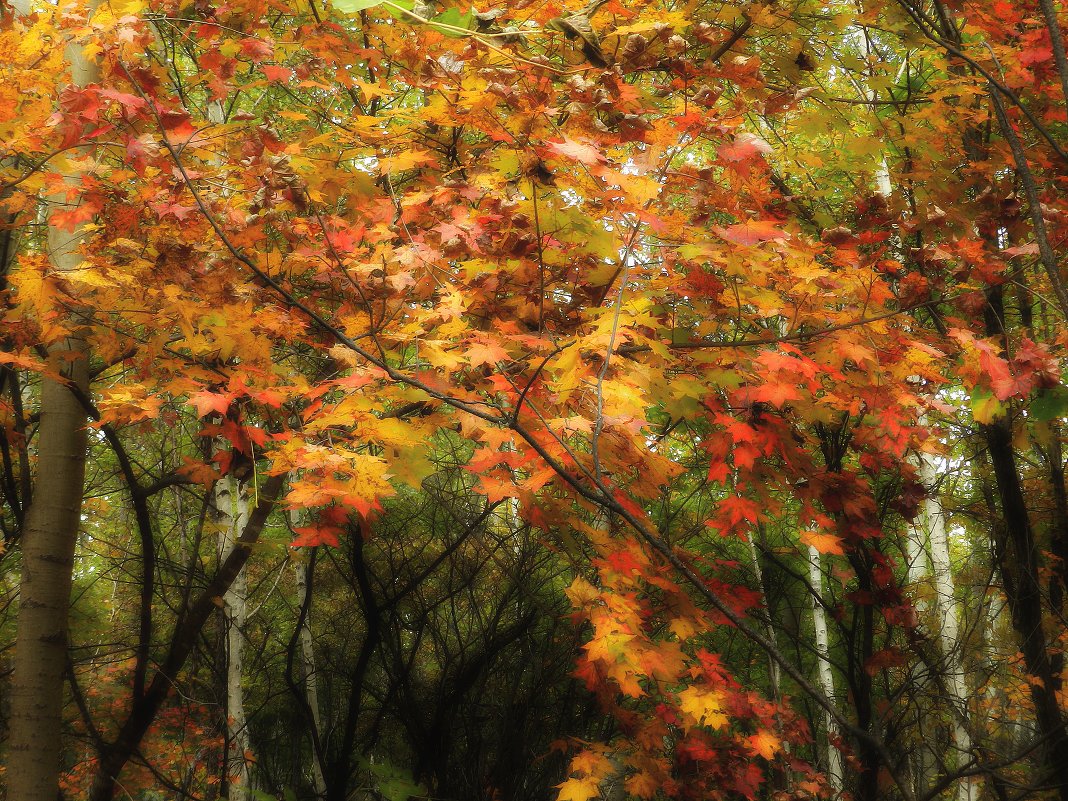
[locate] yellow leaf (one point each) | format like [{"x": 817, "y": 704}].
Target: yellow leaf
[
  {"x": 652, "y": 19},
  {"x": 683, "y": 627},
  {"x": 578, "y": 789},
  {"x": 405, "y": 161},
  {"x": 581, "y": 593},
  {"x": 567, "y": 367},
  {"x": 703, "y": 706},
  {"x": 986, "y": 409}
]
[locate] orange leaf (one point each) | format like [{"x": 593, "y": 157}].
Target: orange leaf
[
  {"x": 642, "y": 785},
  {"x": 752, "y": 232},
  {"x": 745, "y": 146},
  {"x": 765, "y": 743},
  {"x": 205, "y": 402},
  {"x": 824, "y": 543},
  {"x": 277, "y": 74},
  {"x": 486, "y": 353},
  {"x": 777, "y": 393}
]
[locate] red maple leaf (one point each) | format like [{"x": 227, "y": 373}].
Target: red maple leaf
[{"x": 206, "y": 402}]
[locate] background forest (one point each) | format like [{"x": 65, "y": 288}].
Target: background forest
[{"x": 642, "y": 400}]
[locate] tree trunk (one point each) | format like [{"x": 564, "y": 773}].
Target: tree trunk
[
  {"x": 1019, "y": 564},
  {"x": 36, "y": 721},
  {"x": 782, "y": 779},
  {"x": 47, "y": 568},
  {"x": 231, "y": 505},
  {"x": 931, "y": 532},
  {"x": 308, "y": 672},
  {"x": 823, "y": 668}
]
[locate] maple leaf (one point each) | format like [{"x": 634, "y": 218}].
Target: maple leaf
[
  {"x": 575, "y": 151},
  {"x": 256, "y": 50},
  {"x": 206, "y": 402},
  {"x": 765, "y": 744},
  {"x": 608, "y": 647},
  {"x": 311, "y": 536},
  {"x": 581, "y": 593},
  {"x": 777, "y": 393},
  {"x": 178, "y": 123},
  {"x": 405, "y": 161},
  {"x": 198, "y": 472},
  {"x": 591, "y": 763},
  {"x": 69, "y": 219},
  {"x": 277, "y": 74},
  {"x": 704, "y": 706},
  {"x": 479, "y": 353},
  {"x": 642, "y": 784},
  {"x": 496, "y": 488},
  {"x": 824, "y": 543},
  {"x": 719, "y": 471},
  {"x": 124, "y": 99},
  {"x": 881, "y": 660},
  {"x": 581, "y": 789},
  {"x": 623, "y": 562},
  {"x": 985, "y": 407},
  {"x": 176, "y": 210},
  {"x": 683, "y": 627},
  {"x": 736, "y": 509}
]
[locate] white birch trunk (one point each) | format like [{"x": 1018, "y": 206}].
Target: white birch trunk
[
  {"x": 231, "y": 503},
  {"x": 824, "y": 673},
  {"x": 932, "y": 525}
]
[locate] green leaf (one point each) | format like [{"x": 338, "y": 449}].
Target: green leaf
[
  {"x": 355, "y": 6},
  {"x": 408, "y": 5},
  {"x": 1049, "y": 404},
  {"x": 454, "y": 18}
]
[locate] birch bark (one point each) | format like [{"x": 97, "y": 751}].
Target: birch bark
[
  {"x": 231, "y": 504},
  {"x": 823, "y": 670},
  {"x": 50, "y": 536}
]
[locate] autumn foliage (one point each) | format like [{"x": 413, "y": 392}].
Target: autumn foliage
[{"x": 683, "y": 296}]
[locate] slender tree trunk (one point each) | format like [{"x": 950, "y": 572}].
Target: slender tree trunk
[
  {"x": 231, "y": 504},
  {"x": 784, "y": 778},
  {"x": 308, "y": 671},
  {"x": 1020, "y": 565},
  {"x": 919, "y": 568},
  {"x": 35, "y": 746},
  {"x": 932, "y": 531},
  {"x": 823, "y": 669}
]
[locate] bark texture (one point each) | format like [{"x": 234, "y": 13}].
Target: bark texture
[{"x": 51, "y": 532}]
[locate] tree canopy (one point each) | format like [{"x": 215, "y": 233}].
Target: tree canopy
[{"x": 640, "y": 400}]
